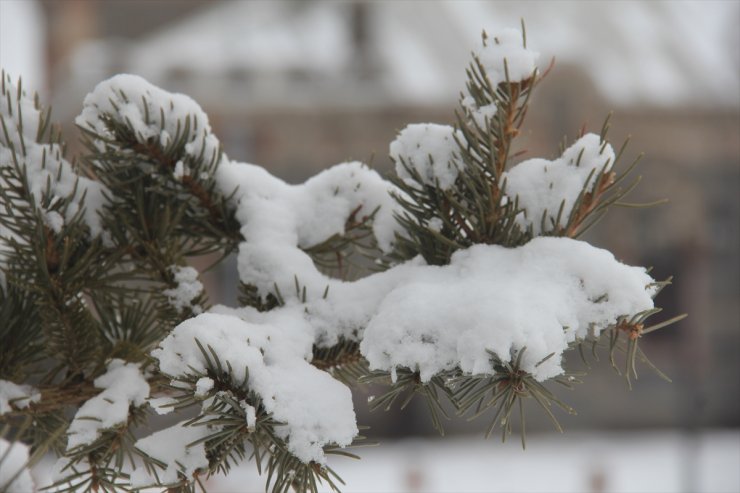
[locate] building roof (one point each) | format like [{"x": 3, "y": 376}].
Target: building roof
[{"x": 411, "y": 52}]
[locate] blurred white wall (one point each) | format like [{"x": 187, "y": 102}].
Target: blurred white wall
[
  {"x": 637, "y": 52},
  {"x": 22, "y": 42}
]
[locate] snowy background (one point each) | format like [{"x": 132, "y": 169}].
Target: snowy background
[
  {"x": 298, "y": 86},
  {"x": 603, "y": 462}
]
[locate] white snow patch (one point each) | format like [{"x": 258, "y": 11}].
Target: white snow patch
[
  {"x": 54, "y": 220},
  {"x": 162, "y": 405},
  {"x": 430, "y": 150},
  {"x": 305, "y": 215},
  {"x": 316, "y": 409},
  {"x": 46, "y": 169},
  {"x": 250, "y": 414},
  {"x": 280, "y": 220},
  {"x": 203, "y": 386},
  {"x": 123, "y": 385},
  {"x": 542, "y": 185},
  {"x": 154, "y": 115},
  {"x": 16, "y": 396},
  {"x": 435, "y": 224},
  {"x": 504, "y": 58},
  {"x": 188, "y": 288},
  {"x": 541, "y": 296},
  {"x": 180, "y": 170},
  {"x": 504, "y": 53}
]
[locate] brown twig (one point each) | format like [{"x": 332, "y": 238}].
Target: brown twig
[
  {"x": 590, "y": 201},
  {"x": 341, "y": 360}
]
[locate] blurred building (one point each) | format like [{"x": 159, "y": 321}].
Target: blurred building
[{"x": 299, "y": 85}]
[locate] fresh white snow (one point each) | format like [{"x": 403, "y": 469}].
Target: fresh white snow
[
  {"x": 429, "y": 149},
  {"x": 543, "y": 186},
  {"x": 203, "y": 386},
  {"x": 504, "y": 58},
  {"x": 271, "y": 210},
  {"x": 123, "y": 385},
  {"x": 541, "y": 296},
  {"x": 316, "y": 409},
  {"x": 46, "y": 168},
  {"x": 188, "y": 288},
  {"x": 16, "y": 396},
  {"x": 155, "y": 116}
]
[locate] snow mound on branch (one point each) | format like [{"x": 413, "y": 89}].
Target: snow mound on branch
[
  {"x": 501, "y": 56},
  {"x": 14, "y": 457},
  {"x": 541, "y": 296},
  {"x": 124, "y": 385},
  {"x": 16, "y": 396},
  {"x": 45, "y": 166},
  {"x": 505, "y": 54},
  {"x": 429, "y": 149},
  {"x": 308, "y": 214},
  {"x": 489, "y": 299},
  {"x": 153, "y": 114},
  {"x": 286, "y": 215},
  {"x": 280, "y": 220},
  {"x": 188, "y": 288},
  {"x": 542, "y": 186},
  {"x": 316, "y": 409}
]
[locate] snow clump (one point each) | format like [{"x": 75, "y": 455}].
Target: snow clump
[
  {"x": 154, "y": 115},
  {"x": 543, "y": 186},
  {"x": 16, "y": 396},
  {"x": 542, "y": 296},
  {"x": 48, "y": 173},
  {"x": 123, "y": 386},
  {"x": 188, "y": 288},
  {"x": 430, "y": 150},
  {"x": 502, "y": 55},
  {"x": 279, "y": 221},
  {"x": 316, "y": 409}
]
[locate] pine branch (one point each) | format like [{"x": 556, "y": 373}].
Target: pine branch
[
  {"x": 340, "y": 255},
  {"x": 230, "y": 429},
  {"x": 93, "y": 267},
  {"x": 405, "y": 384},
  {"x": 506, "y": 389},
  {"x": 343, "y": 361}
]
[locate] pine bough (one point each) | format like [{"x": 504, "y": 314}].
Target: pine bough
[{"x": 479, "y": 288}]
